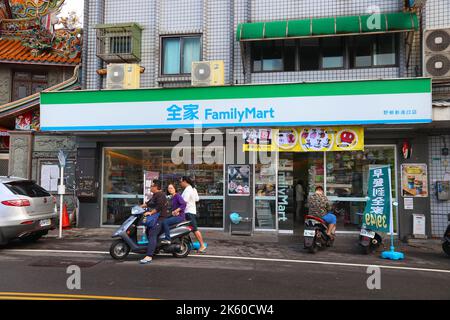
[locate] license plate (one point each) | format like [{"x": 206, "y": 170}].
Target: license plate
[
  {"x": 45, "y": 223},
  {"x": 309, "y": 233},
  {"x": 369, "y": 234}
]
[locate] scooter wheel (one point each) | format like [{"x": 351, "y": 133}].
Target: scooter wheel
[
  {"x": 119, "y": 250},
  {"x": 366, "y": 249},
  {"x": 186, "y": 247},
  {"x": 313, "y": 248}
]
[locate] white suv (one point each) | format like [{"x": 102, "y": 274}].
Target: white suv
[{"x": 27, "y": 211}]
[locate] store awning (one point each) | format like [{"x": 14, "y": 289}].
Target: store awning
[{"x": 346, "y": 25}]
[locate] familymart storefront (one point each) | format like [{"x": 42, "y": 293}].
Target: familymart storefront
[{"x": 326, "y": 134}]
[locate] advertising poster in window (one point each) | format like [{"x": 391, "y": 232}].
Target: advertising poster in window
[
  {"x": 414, "y": 180},
  {"x": 310, "y": 139},
  {"x": 239, "y": 180},
  {"x": 149, "y": 176},
  {"x": 258, "y": 139}
]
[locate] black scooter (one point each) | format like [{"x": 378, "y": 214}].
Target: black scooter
[
  {"x": 369, "y": 240},
  {"x": 127, "y": 238},
  {"x": 446, "y": 241},
  {"x": 315, "y": 234}
]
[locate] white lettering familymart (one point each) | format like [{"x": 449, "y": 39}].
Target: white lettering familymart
[{"x": 240, "y": 115}]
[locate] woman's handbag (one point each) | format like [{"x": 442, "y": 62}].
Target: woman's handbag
[{"x": 151, "y": 221}]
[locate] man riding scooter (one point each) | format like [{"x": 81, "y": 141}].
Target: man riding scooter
[
  {"x": 319, "y": 206},
  {"x": 157, "y": 205}
]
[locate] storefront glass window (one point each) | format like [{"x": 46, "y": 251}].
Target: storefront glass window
[
  {"x": 124, "y": 182},
  {"x": 347, "y": 177},
  {"x": 265, "y": 196}
]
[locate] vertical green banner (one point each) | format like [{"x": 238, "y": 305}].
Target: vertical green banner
[{"x": 378, "y": 209}]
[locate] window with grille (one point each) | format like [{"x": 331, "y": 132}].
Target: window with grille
[{"x": 118, "y": 43}]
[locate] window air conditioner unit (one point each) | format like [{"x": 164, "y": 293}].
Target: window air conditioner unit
[
  {"x": 208, "y": 73},
  {"x": 437, "y": 54},
  {"x": 122, "y": 76}
]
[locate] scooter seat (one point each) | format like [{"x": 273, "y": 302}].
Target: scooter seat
[{"x": 316, "y": 218}]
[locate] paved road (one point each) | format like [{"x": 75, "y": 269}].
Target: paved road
[{"x": 212, "y": 277}]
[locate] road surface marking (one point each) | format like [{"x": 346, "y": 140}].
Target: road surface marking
[
  {"x": 51, "y": 296},
  {"x": 251, "y": 259}
]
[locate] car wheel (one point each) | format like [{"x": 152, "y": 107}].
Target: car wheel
[{"x": 119, "y": 250}]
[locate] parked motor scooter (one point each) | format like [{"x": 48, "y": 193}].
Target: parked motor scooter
[
  {"x": 127, "y": 238},
  {"x": 369, "y": 240},
  {"x": 446, "y": 241},
  {"x": 315, "y": 234}
]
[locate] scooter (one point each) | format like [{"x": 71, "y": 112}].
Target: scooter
[
  {"x": 315, "y": 234},
  {"x": 128, "y": 240},
  {"x": 446, "y": 242},
  {"x": 369, "y": 240}
]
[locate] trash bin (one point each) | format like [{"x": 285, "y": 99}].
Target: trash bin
[{"x": 240, "y": 225}]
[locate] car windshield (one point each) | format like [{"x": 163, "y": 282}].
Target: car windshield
[{"x": 27, "y": 188}]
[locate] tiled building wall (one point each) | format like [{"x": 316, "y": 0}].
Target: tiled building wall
[
  {"x": 144, "y": 14},
  {"x": 217, "y": 22},
  {"x": 95, "y": 15},
  {"x": 218, "y": 39},
  {"x": 439, "y": 169},
  {"x": 266, "y": 10},
  {"x": 437, "y": 14}
]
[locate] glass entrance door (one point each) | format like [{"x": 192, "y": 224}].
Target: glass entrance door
[
  {"x": 265, "y": 216},
  {"x": 346, "y": 182}
]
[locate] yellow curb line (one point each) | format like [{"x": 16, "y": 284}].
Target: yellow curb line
[{"x": 66, "y": 296}]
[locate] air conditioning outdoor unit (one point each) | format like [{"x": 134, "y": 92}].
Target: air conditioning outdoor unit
[
  {"x": 437, "y": 54},
  {"x": 208, "y": 73},
  {"x": 123, "y": 76}
]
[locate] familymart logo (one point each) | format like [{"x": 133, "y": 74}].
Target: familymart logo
[{"x": 193, "y": 112}]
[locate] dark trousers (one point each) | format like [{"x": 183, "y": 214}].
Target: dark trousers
[
  {"x": 168, "y": 222},
  {"x": 152, "y": 236}
]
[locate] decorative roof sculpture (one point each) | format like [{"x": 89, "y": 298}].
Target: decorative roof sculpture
[{"x": 31, "y": 22}]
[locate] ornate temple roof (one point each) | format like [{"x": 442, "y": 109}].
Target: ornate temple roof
[{"x": 27, "y": 34}]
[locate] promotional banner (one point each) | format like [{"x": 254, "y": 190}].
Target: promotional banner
[
  {"x": 414, "y": 180},
  {"x": 378, "y": 208},
  {"x": 311, "y": 139}
]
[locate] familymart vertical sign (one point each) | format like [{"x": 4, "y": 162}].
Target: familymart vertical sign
[{"x": 378, "y": 210}]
